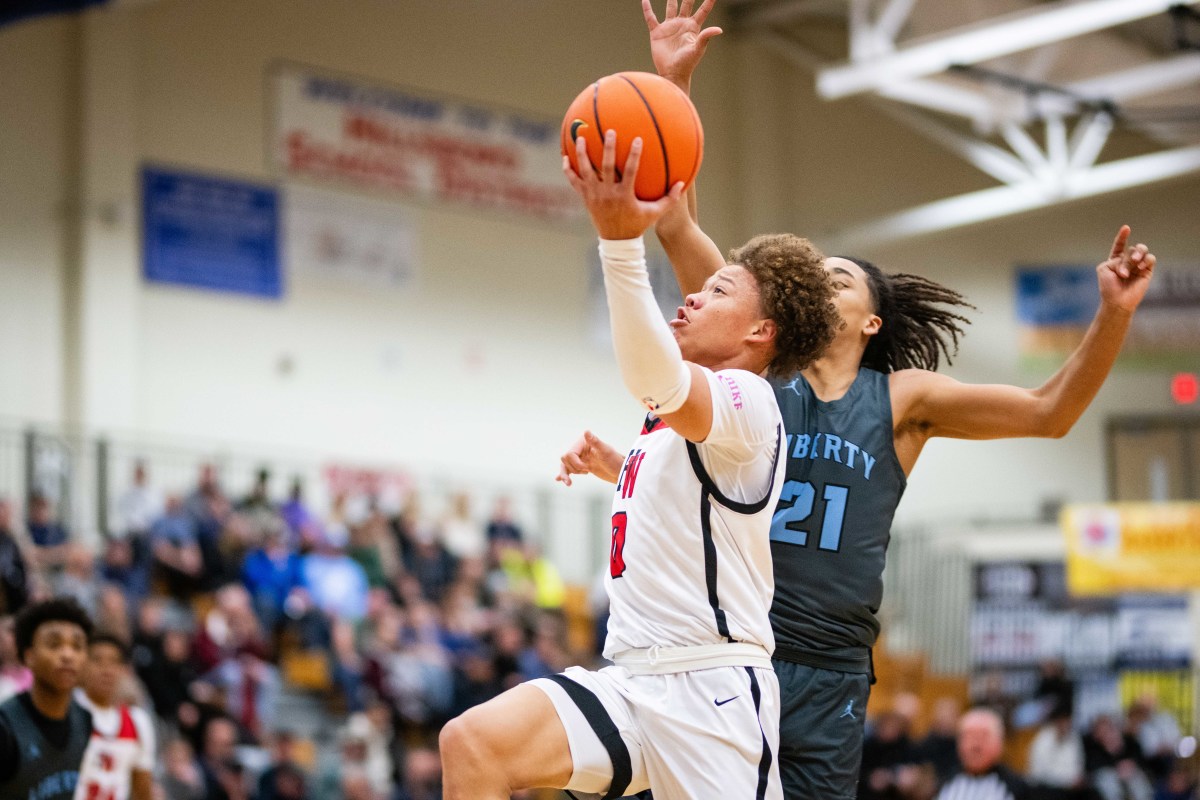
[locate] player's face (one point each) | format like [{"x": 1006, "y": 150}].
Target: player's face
[
  {"x": 713, "y": 324},
  {"x": 57, "y": 655},
  {"x": 105, "y": 668},
  {"x": 852, "y": 297}
]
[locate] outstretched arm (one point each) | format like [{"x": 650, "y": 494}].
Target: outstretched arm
[
  {"x": 649, "y": 358},
  {"x": 677, "y": 45},
  {"x": 941, "y": 406}
]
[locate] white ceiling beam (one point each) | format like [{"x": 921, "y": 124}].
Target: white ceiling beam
[
  {"x": 1006, "y": 201},
  {"x": 862, "y": 33},
  {"x": 1158, "y": 76},
  {"x": 986, "y": 157},
  {"x": 891, "y": 20},
  {"x": 1057, "y": 150},
  {"x": 1161, "y": 75},
  {"x": 1088, "y": 139},
  {"x": 972, "y": 44},
  {"x": 1024, "y": 146},
  {"x": 944, "y": 98}
]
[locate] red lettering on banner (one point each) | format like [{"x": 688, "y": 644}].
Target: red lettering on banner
[
  {"x": 477, "y": 177},
  {"x": 360, "y": 127},
  {"x": 314, "y": 158}
]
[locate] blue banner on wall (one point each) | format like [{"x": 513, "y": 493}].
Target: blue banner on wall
[
  {"x": 13, "y": 10},
  {"x": 211, "y": 233},
  {"x": 1057, "y": 295}
]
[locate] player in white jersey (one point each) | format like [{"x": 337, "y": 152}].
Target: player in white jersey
[
  {"x": 691, "y": 706},
  {"x": 119, "y": 761}
]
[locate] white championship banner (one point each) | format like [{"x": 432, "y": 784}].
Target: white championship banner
[{"x": 365, "y": 136}]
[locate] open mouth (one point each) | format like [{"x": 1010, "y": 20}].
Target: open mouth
[{"x": 680, "y": 319}]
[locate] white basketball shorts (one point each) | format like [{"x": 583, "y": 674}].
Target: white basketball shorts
[{"x": 709, "y": 733}]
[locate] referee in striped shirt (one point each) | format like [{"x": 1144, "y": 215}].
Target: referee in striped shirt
[{"x": 983, "y": 777}]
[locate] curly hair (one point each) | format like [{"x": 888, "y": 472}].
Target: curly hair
[
  {"x": 916, "y": 332},
  {"x": 58, "y": 609},
  {"x": 795, "y": 293}
]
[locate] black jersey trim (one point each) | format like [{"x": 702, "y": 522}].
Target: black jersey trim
[
  {"x": 652, "y": 424},
  {"x": 764, "y": 763},
  {"x": 606, "y": 731},
  {"x": 710, "y": 485},
  {"x": 710, "y": 565}
]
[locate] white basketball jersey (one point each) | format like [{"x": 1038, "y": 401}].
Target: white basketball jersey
[
  {"x": 690, "y": 562},
  {"x": 122, "y": 741}
]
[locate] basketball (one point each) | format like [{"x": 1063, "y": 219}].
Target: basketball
[{"x": 638, "y": 104}]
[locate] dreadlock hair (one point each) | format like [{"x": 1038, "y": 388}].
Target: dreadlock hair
[
  {"x": 795, "y": 293},
  {"x": 916, "y": 330}
]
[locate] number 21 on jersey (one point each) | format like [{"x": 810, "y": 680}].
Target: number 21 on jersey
[{"x": 788, "y": 523}]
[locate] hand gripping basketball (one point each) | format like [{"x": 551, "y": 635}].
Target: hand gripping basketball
[
  {"x": 615, "y": 210},
  {"x": 638, "y": 105}
]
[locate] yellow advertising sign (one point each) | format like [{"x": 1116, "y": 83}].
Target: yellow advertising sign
[{"x": 1132, "y": 547}]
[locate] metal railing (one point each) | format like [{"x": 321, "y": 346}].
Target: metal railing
[{"x": 83, "y": 477}]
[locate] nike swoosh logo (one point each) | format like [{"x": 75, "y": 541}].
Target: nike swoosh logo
[{"x": 730, "y": 700}]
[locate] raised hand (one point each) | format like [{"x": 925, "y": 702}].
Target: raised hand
[
  {"x": 678, "y": 42},
  {"x": 616, "y": 211},
  {"x": 1125, "y": 275},
  {"x": 589, "y": 456}
]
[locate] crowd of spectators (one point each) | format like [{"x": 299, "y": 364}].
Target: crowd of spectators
[
  {"x": 962, "y": 755},
  {"x": 397, "y": 623},
  {"x": 394, "y": 624}
]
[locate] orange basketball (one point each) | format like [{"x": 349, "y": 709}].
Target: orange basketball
[{"x": 638, "y": 104}]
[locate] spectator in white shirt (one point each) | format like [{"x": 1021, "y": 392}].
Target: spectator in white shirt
[
  {"x": 1056, "y": 758},
  {"x": 137, "y": 508},
  {"x": 1157, "y": 733},
  {"x": 461, "y": 534}
]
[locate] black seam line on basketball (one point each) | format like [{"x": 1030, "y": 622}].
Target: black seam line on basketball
[
  {"x": 596, "y": 114},
  {"x": 606, "y": 731},
  {"x": 764, "y": 763},
  {"x": 661, "y": 142},
  {"x": 711, "y": 485},
  {"x": 710, "y": 565},
  {"x": 600, "y": 129}
]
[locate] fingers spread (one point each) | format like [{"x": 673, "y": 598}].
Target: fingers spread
[
  {"x": 569, "y": 171},
  {"x": 648, "y": 13},
  {"x": 583, "y": 161},
  {"x": 608, "y": 165},
  {"x": 705, "y": 35},
  {"x": 631, "y": 163}
]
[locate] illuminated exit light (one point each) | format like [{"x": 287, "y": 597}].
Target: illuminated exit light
[{"x": 1185, "y": 388}]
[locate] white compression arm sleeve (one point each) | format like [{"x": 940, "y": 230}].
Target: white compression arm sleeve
[{"x": 647, "y": 353}]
